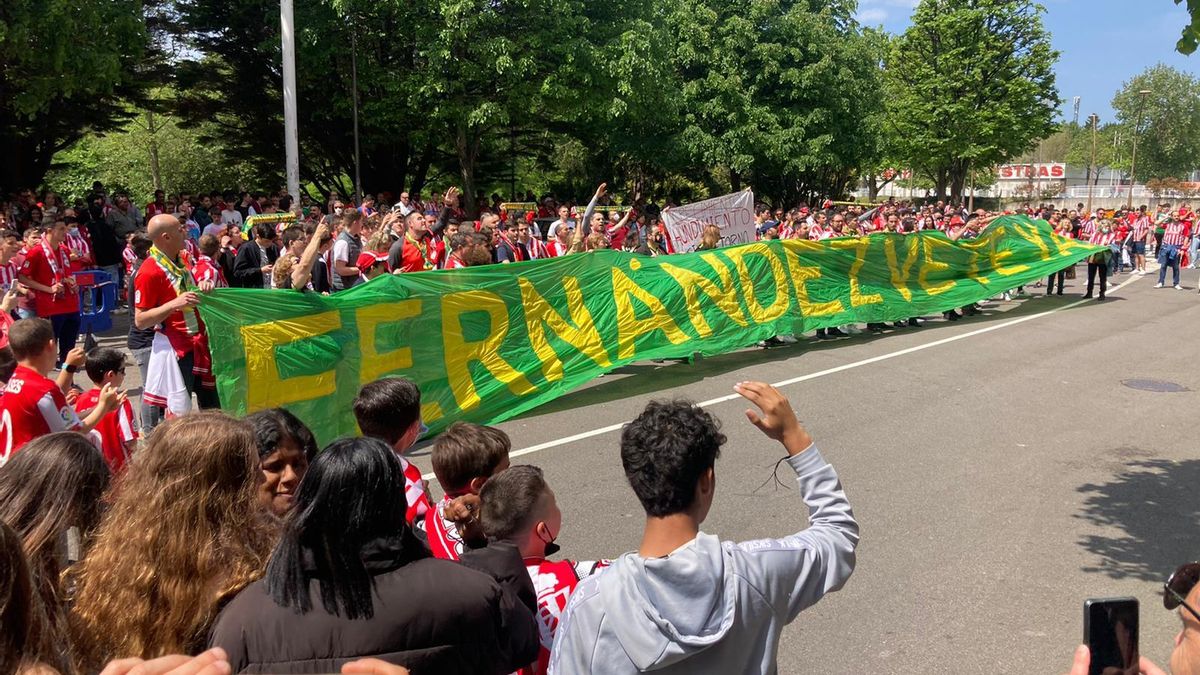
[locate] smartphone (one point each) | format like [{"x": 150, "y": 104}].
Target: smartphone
[{"x": 1110, "y": 630}]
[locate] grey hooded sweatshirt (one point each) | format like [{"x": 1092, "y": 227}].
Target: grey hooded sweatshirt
[{"x": 711, "y": 606}]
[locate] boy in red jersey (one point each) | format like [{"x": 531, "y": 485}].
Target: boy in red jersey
[
  {"x": 518, "y": 506},
  {"x": 390, "y": 409},
  {"x": 464, "y": 457},
  {"x": 106, "y": 367},
  {"x": 33, "y": 405}
]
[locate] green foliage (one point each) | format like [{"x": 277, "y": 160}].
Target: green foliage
[
  {"x": 970, "y": 83},
  {"x": 776, "y": 91},
  {"x": 66, "y": 67},
  {"x": 121, "y": 160},
  {"x": 1191, "y": 32},
  {"x": 1169, "y": 116}
]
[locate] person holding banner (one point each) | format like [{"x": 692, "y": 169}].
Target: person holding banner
[
  {"x": 165, "y": 298},
  {"x": 1099, "y": 263}
]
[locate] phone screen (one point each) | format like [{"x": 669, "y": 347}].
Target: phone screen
[{"x": 1110, "y": 629}]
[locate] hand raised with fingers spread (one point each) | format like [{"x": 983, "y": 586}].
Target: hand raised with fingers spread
[{"x": 776, "y": 418}]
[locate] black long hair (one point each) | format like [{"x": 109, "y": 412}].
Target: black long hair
[
  {"x": 276, "y": 425},
  {"x": 351, "y": 498}
]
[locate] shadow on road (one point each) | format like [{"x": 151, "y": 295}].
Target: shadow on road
[{"x": 1152, "y": 504}]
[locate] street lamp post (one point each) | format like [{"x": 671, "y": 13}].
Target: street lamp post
[
  {"x": 290, "y": 140},
  {"x": 354, "y": 101},
  {"x": 1136, "y": 125},
  {"x": 1095, "y": 120}
]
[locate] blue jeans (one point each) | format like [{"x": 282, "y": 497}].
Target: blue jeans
[
  {"x": 1114, "y": 259},
  {"x": 1168, "y": 256},
  {"x": 149, "y": 415},
  {"x": 1192, "y": 250}
]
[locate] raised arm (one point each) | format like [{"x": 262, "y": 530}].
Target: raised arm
[
  {"x": 302, "y": 272},
  {"x": 796, "y": 571},
  {"x": 586, "y": 225}
]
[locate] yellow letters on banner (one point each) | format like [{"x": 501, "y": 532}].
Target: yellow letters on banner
[
  {"x": 901, "y": 273},
  {"x": 723, "y": 296},
  {"x": 1034, "y": 237},
  {"x": 629, "y": 327},
  {"x": 460, "y": 353},
  {"x": 1064, "y": 245},
  {"x": 931, "y": 266},
  {"x": 860, "y": 246},
  {"x": 580, "y": 332},
  {"x": 801, "y": 275},
  {"x": 995, "y": 255},
  {"x": 374, "y": 362},
  {"x": 264, "y": 387},
  {"x": 759, "y": 313}
]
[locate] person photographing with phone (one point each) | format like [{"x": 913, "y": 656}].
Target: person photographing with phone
[{"x": 1181, "y": 594}]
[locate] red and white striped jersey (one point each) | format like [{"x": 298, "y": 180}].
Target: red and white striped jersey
[
  {"x": 1104, "y": 238},
  {"x": 81, "y": 250},
  {"x": 553, "y": 582},
  {"x": 130, "y": 259},
  {"x": 537, "y": 249},
  {"x": 8, "y": 275},
  {"x": 1141, "y": 228},
  {"x": 1089, "y": 228},
  {"x": 1175, "y": 233},
  {"x": 557, "y": 249},
  {"x": 205, "y": 270}
]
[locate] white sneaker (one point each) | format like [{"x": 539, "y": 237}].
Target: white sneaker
[
  {"x": 1158, "y": 285},
  {"x": 786, "y": 339},
  {"x": 1007, "y": 296},
  {"x": 1178, "y": 287}
]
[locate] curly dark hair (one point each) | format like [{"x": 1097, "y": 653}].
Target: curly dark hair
[{"x": 666, "y": 450}]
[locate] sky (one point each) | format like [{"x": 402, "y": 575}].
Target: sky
[{"x": 1103, "y": 43}]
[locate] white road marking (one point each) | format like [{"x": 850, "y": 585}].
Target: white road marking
[{"x": 821, "y": 373}]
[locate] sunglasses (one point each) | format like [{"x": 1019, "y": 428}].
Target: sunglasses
[{"x": 1176, "y": 590}]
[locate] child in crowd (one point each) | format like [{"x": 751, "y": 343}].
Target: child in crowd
[
  {"x": 517, "y": 506},
  {"x": 465, "y": 456},
  {"x": 390, "y": 409},
  {"x": 371, "y": 265},
  {"x": 118, "y": 437},
  {"x": 35, "y": 405}
]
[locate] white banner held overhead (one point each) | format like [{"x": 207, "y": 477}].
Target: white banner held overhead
[{"x": 733, "y": 213}]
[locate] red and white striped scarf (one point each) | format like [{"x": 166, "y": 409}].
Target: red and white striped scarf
[{"x": 444, "y": 541}]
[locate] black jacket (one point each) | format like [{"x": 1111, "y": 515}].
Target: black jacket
[
  {"x": 431, "y": 616},
  {"x": 247, "y": 266}
]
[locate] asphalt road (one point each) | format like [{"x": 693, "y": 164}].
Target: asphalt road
[{"x": 1000, "y": 472}]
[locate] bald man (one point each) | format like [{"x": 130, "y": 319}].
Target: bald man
[{"x": 165, "y": 298}]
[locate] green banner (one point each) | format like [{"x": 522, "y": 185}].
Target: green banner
[{"x": 488, "y": 343}]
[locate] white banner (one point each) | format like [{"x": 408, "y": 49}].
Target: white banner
[{"x": 733, "y": 213}]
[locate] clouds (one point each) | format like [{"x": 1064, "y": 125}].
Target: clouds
[{"x": 875, "y": 12}]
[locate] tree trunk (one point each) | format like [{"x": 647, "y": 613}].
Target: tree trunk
[
  {"x": 942, "y": 181},
  {"x": 420, "y": 172},
  {"x": 155, "y": 173},
  {"x": 958, "y": 178},
  {"x": 735, "y": 181},
  {"x": 467, "y": 145}
]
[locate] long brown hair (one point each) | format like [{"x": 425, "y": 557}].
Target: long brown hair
[
  {"x": 183, "y": 535},
  {"x": 25, "y": 636},
  {"x": 710, "y": 238},
  {"x": 51, "y": 485}
]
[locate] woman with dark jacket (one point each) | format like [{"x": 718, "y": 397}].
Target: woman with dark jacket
[{"x": 349, "y": 580}]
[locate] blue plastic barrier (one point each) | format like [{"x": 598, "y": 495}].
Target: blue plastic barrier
[{"x": 97, "y": 300}]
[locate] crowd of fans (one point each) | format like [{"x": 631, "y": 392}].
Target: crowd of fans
[{"x": 131, "y": 541}]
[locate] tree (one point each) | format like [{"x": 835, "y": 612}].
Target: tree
[
  {"x": 970, "y": 83},
  {"x": 122, "y": 161},
  {"x": 776, "y": 91},
  {"x": 67, "y": 69},
  {"x": 1191, "y": 32},
  {"x": 1169, "y": 136}
]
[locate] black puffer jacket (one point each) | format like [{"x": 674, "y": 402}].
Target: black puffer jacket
[{"x": 431, "y": 616}]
